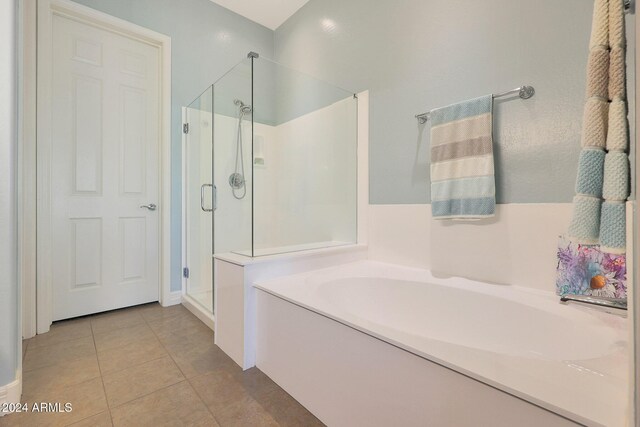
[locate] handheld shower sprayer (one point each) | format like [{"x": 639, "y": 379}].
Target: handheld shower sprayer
[{"x": 236, "y": 179}]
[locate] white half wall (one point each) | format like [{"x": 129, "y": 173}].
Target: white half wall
[
  {"x": 235, "y": 326},
  {"x": 516, "y": 247}
]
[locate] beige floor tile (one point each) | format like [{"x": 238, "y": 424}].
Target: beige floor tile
[
  {"x": 287, "y": 411},
  {"x": 177, "y": 405},
  {"x": 121, "y": 337},
  {"x": 256, "y": 382},
  {"x": 102, "y": 419},
  {"x": 116, "y": 320},
  {"x": 244, "y": 412},
  {"x": 229, "y": 401},
  {"x": 38, "y": 383},
  {"x": 144, "y": 354},
  {"x": 155, "y": 311},
  {"x": 218, "y": 389},
  {"x": 181, "y": 326},
  {"x": 10, "y": 420},
  {"x": 66, "y": 330},
  {"x": 62, "y": 352},
  {"x": 196, "y": 358},
  {"x": 87, "y": 399},
  {"x": 116, "y": 359},
  {"x": 131, "y": 383},
  {"x": 183, "y": 342},
  {"x": 197, "y": 337}
]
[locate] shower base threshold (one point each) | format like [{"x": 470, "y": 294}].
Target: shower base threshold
[
  {"x": 197, "y": 309},
  {"x": 292, "y": 248}
]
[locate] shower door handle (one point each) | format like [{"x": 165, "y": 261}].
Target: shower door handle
[{"x": 202, "y": 187}]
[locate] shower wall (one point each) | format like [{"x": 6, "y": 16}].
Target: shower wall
[
  {"x": 302, "y": 197},
  {"x": 304, "y": 192}
]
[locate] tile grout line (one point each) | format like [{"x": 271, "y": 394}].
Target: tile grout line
[
  {"x": 57, "y": 343},
  {"x": 202, "y": 400},
  {"x": 164, "y": 347},
  {"x": 104, "y": 390},
  {"x": 76, "y": 358},
  {"x": 136, "y": 365},
  {"x": 125, "y": 327},
  {"x": 100, "y": 374},
  {"x": 146, "y": 394},
  {"x": 182, "y": 372},
  {"x": 160, "y": 389},
  {"x": 109, "y": 407}
]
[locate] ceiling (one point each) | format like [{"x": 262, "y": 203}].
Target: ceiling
[{"x": 270, "y": 13}]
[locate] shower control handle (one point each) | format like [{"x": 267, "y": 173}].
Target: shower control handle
[{"x": 202, "y": 187}]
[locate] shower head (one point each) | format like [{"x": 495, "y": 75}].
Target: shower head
[{"x": 244, "y": 108}]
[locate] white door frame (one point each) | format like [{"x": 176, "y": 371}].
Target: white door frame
[
  {"x": 633, "y": 264},
  {"x": 27, "y": 166},
  {"x": 72, "y": 10}
]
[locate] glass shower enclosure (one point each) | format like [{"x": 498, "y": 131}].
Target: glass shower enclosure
[{"x": 270, "y": 167}]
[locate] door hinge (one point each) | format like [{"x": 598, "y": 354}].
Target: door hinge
[
  {"x": 185, "y": 272},
  {"x": 185, "y": 128}
]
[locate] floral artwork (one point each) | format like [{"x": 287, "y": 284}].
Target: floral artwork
[{"x": 586, "y": 270}]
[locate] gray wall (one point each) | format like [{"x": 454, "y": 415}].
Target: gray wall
[
  {"x": 415, "y": 55},
  {"x": 206, "y": 41},
  {"x": 9, "y": 293}
]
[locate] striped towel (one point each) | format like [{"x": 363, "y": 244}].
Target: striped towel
[{"x": 462, "y": 175}]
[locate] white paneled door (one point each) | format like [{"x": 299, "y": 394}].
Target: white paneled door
[{"x": 105, "y": 145}]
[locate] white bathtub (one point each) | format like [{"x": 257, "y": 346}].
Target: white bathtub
[{"x": 567, "y": 359}]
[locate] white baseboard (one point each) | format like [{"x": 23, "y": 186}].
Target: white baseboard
[
  {"x": 12, "y": 392},
  {"x": 196, "y": 309},
  {"x": 174, "y": 298}
]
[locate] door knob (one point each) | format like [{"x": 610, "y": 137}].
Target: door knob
[{"x": 150, "y": 206}]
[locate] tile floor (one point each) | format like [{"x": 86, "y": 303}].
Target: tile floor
[{"x": 146, "y": 366}]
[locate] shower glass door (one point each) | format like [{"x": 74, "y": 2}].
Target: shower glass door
[{"x": 199, "y": 202}]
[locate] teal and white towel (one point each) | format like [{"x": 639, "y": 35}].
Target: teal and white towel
[{"x": 462, "y": 174}]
